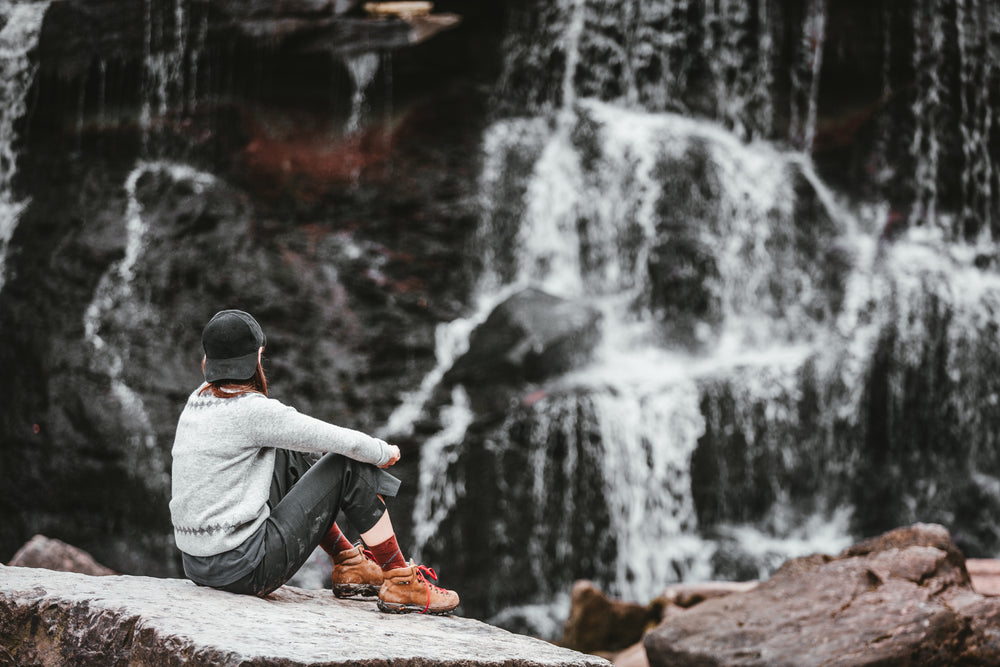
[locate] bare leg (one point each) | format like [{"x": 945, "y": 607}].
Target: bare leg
[{"x": 380, "y": 532}]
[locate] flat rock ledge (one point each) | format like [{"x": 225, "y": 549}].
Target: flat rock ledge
[{"x": 60, "y": 618}]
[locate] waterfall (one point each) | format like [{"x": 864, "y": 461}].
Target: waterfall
[
  {"x": 880, "y": 165},
  {"x": 952, "y": 147},
  {"x": 22, "y": 25},
  {"x": 648, "y": 441},
  {"x": 116, "y": 309},
  {"x": 776, "y": 373},
  {"x": 805, "y": 77},
  {"x": 741, "y": 67},
  {"x": 362, "y": 68},
  {"x": 615, "y": 209},
  {"x": 167, "y": 47},
  {"x": 652, "y": 55},
  {"x": 438, "y": 496},
  {"x": 980, "y": 180},
  {"x": 927, "y": 110}
]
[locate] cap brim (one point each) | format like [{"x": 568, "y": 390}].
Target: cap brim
[{"x": 237, "y": 368}]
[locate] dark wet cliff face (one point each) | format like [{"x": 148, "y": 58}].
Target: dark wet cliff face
[
  {"x": 370, "y": 200},
  {"x": 184, "y": 157}
]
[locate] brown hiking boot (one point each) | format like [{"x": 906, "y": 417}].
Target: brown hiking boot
[
  {"x": 355, "y": 574},
  {"x": 406, "y": 589}
]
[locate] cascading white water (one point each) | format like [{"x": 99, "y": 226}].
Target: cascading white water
[
  {"x": 441, "y": 496},
  {"x": 362, "y": 68},
  {"x": 22, "y": 24},
  {"x": 651, "y": 55},
  {"x": 648, "y": 438},
  {"x": 741, "y": 74},
  {"x": 980, "y": 173},
  {"x": 881, "y": 168},
  {"x": 945, "y": 161},
  {"x": 805, "y": 77},
  {"x": 166, "y": 48},
  {"x": 598, "y": 195},
  {"x": 925, "y": 147},
  {"x": 115, "y": 302},
  {"x": 587, "y": 231}
]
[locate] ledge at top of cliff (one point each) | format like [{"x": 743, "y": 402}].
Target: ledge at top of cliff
[
  {"x": 55, "y": 618},
  {"x": 76, "y": 33}
]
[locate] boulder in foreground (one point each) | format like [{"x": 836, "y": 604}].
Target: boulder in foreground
[
  {"x": 52, "y": 554},
  {"x": 904, "y": 598},
  {"x": 60, "y": 618}
]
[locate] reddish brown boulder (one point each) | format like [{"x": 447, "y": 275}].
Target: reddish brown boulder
[
  {"x": 597, "y": 623},
  {"x": 688, "y": 595},
  {"x": 52, "y": 554},
  {"x": 903, "y": 598},
  {"x": 633, "y": 656}
]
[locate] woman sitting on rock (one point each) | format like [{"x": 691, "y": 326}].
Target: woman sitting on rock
[{"x": 248, "y": 508}]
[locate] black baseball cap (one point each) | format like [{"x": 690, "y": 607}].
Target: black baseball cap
[{"x": 231, "y": 340}]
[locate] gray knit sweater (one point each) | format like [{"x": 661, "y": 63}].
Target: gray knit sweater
[{"x": 223, "y": 459}]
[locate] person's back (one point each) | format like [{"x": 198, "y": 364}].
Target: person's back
[
  {"x": 248, "y": 506},
  {"x": 220, "y": 478}
]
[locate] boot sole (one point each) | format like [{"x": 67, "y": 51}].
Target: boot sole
[
  {"x": 393, "y": 608},
  {"x": 355, "y": 590}
]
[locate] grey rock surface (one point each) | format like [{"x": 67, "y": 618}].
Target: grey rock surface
[
  {"x": 57, "y": 618},
  {"x": 531, "y": 335}
]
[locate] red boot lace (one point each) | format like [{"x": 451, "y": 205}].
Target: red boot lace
[{"x": 422, "y": 573}]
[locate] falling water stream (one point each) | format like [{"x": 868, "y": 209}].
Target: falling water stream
[
  {"x": 116, "y": 302},
  {"x": 643, "y": 395},
  {"x": 172, "y": 44},
  {"x": 22, "y": 24},
  {"x": 362, "y": 67},
  {"x": 600, "y": 195}
]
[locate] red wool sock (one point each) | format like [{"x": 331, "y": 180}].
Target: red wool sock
[
  {"x": 388, "y": 555},
  {"x": 335, "y": 541}
]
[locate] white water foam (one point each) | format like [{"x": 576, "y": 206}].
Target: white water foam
[{"x": 648, "y": 440}]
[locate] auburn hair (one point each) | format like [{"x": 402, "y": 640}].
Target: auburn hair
[{"x": 234, "y": 388}]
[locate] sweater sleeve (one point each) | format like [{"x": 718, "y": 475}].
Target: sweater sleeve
[{"x": 274, "y": 424}]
